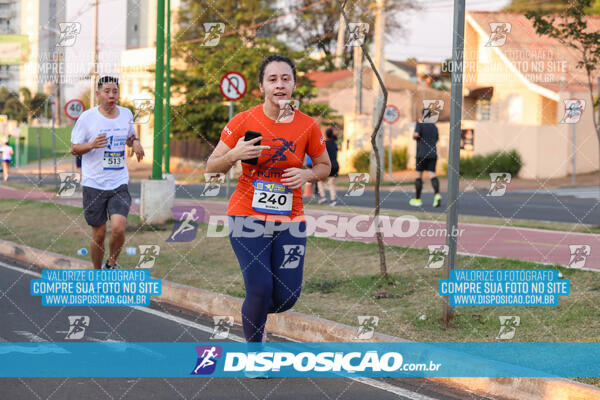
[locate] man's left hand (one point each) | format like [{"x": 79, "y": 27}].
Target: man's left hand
[{"x": 138, "y": 149}]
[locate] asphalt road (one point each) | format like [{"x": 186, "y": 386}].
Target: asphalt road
[
  {"x": 542, "y": 205},
  {"x": 24, "y": 319}
]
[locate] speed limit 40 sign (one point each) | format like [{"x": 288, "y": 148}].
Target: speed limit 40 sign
[
  {"x": 74, "y": 108},
  {"x": 391, "y": 114}
]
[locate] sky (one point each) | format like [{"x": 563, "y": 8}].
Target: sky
[{"x": 427, "y": 33}]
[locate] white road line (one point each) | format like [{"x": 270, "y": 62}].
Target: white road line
[
  {"x": 31, "y": 336},
  {"x": 366, "y": 381},
  {"x": 393, "y": 389}
]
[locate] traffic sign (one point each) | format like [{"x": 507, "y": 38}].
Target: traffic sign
[
  {"x": 233, "y": 85},
  {"x": 391, "y": 114},
  {"x": 74, "y": 108}
]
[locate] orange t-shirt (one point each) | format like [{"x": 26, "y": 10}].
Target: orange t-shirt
[{"x": 288, "y": 142}]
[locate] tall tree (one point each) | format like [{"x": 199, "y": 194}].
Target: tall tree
[
  {"x": 314, "y": 24},
  {"x": 550, "y": 6},
  {"x": 201, "y": 111}
]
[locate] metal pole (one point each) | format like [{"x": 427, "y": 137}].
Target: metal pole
[
  {"x": 573, "y": 149},
  {"x": 54, "y": 143},
  {"x": 377, "y": 93},
  {"x": 94, "y": 57},
  {"x": 39, "y": 142},
  {"x": 358, "y": 80},
  {"x": 159, "y": 90},
  {"x": 231, "y": 109},
  {"x": 454, "y": 147},
  {"x": 168, "y": 94},
  {"x": 339, "y": 49},
  {"x": 390, "y": 152}
]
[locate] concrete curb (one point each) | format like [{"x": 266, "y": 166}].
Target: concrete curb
[{"x": 307, "y": 328}]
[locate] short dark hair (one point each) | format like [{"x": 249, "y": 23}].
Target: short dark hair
[
  {"x": 274, "y": 58},
  {"x": 329, "y": 134},
  {"x": 107, "y": 79}
]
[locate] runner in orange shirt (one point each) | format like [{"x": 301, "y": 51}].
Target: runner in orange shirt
[{"x": 266, "y": 225}]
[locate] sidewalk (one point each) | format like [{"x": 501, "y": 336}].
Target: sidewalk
[
  {"x": 143, "y": 170},
  {"x": 536, "y": 245}
]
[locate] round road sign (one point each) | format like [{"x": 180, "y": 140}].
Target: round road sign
[
  {"x": 233, "y": 85},
  {"x": 391, "y": 114},
  {"x": 74, "y": 108}
]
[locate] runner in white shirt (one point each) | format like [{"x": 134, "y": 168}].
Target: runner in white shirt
[
  {"x": 7, "y": 153},
  {"x": 100, "y": 136}
]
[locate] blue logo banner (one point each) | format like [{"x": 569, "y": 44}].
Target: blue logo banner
[{"x": 223, "y": 359}]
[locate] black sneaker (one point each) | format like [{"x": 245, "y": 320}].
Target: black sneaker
[{"x": 106, "y": 266}]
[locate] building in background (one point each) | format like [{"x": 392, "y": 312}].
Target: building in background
[{"x": 515, "y": 86}]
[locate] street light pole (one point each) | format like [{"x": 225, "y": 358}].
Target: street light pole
[
  {"x": 159, "y": 90},
  {"x": 454, "y": 146},
  {"x": 168, "y": 94}
]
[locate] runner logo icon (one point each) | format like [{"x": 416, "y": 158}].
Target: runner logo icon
[
  {"x": 508, "y": 326},
  {"x": 293, "y": 254},
  {"x": 358, "y": 183},
  {"x": 579, "y": 254},
  {"x": 77, "y": 325},
  {"x": 207, "y": 359}
]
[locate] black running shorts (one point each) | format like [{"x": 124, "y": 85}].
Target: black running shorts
[
  {"x": 97, "y": 203},
  {"x": 426, "y": 164}
]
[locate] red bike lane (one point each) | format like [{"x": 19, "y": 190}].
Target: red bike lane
[{"x": 536, "y": 245}]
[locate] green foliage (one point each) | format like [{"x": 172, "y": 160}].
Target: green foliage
[
  {"x": 480, "y": 166},
  {"x": 360, "y": 162},
  {"x": 316, "y": 28},
  {"x": 23, "y": 111},
  {"x": 550, "y": 6},
  {"x": 202, "y": 113},
  {"x": 571, "y": 30}
]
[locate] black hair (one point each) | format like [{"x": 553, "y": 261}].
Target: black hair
[
  {"x": 329, "y": 134},
  {"x": 274, "y": 58},
  {"x": 107, "y": 79}
]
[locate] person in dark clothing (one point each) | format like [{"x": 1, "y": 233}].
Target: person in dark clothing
[
  {"x": 426, "y": 135},
  {"x": 332, "y": 150}
]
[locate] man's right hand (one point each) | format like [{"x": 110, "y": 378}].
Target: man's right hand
[
  {"x": 246, "y": 150},
  {"x": 416, "y": 136},
  {"x": 99, "y": 142}
]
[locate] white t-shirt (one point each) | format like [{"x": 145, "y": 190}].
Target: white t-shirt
[
  {"x": 6, "y": 152},
  {"x": 104, "y": 168}
]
